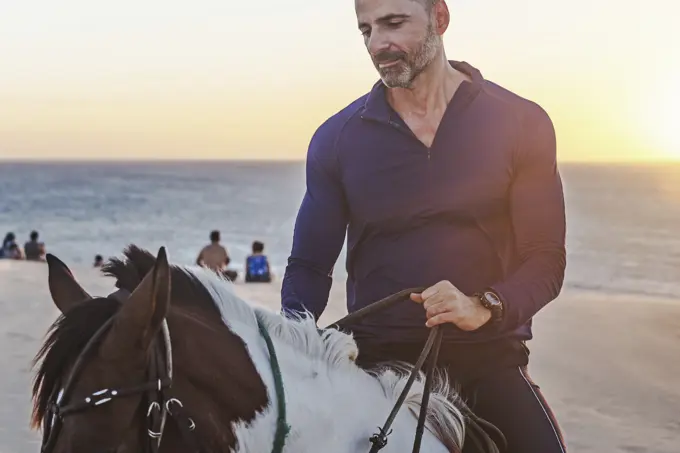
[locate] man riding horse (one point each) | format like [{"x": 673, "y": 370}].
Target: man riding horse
[{"x": 441, "y": 178}]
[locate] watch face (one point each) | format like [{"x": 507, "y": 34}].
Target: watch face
[{"x": 491, "y": 298}]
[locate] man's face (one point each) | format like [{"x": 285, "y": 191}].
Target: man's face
[{"x": 400, "y": 37}]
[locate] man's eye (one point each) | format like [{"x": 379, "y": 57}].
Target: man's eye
[{"x": 395, "y": 23}]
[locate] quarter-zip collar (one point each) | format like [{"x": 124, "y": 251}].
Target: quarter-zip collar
[{"x": 377, "y": 108}]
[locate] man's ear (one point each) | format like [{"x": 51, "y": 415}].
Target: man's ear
[
  {"x": 442, "y": 17},
  {"x": 65, "y": 291},
  {"x": 142, "y": 314}
]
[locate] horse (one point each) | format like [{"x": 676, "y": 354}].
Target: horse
[{"x": 175, "y": 361}]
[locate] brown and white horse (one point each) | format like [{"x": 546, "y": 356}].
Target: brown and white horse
[{"x": 223, "y": 381}]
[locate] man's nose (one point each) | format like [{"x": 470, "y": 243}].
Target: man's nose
[{"x": 377, "y": 43}]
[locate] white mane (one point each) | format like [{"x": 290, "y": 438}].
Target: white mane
[
  {"x": 334, "y": 347},
  {"x": 333, "y": 350}
]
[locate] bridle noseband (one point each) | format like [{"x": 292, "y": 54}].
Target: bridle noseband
[{"x": 160, "y": 404}]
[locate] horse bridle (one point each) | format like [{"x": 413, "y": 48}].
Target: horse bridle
[{"x": 160, "y": 403}]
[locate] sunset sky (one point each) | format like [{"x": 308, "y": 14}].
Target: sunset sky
[{"x": 253, "y": 79}]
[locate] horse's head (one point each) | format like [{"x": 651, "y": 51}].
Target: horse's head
[
  {"x": 104, "y": 378},
  {"x": 97, "y": 347}
]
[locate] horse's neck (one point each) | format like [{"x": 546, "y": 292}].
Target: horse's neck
[{"x": 334, "y": 409}]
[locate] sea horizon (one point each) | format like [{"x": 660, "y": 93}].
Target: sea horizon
[{"x": 147, "y": 161}]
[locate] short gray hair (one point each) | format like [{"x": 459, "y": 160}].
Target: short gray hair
[{"x": 428, "y": 4}]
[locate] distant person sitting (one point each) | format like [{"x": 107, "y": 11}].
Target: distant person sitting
[
  {"x": 14, "y": 252},
  {"x": 98, "y": 261},
  {"x": 34, "y": 250},
  {"x": 7, "y": 243},
  {"x": 215, "y": 257},
  {"x": 257, "y": 265}
]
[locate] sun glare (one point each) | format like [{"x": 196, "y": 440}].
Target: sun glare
[{"x": 665, "y": 123}]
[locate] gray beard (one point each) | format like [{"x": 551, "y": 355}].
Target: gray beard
[{"x": 405, "y": 72}]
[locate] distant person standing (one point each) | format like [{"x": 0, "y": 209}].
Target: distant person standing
[
  {"x": 214, "y": 256},
  {"x": 98, "y": 261},
  {"x": 257, "y": 265},
  {"x": 34, "y": 250}
]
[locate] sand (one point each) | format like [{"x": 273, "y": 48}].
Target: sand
[{"x": 608, "y": 364}]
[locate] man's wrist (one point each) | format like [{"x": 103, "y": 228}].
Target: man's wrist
[{"x": 492, "y": 302}]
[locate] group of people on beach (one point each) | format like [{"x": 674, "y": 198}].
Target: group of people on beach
[
  {"x": 215, "y": 256},
  {"x": 33, "y": 249}
]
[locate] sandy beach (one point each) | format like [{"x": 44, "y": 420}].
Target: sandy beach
[{"x": 609, "y": 364}]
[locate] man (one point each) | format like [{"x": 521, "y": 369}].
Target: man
[
  {"x": 34, "y": 250},
  {"x": 442, "y": 179},
  {"x": 214, "y": 256}
]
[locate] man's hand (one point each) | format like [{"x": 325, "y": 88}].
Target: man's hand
[{"x": 444, "y": 303}]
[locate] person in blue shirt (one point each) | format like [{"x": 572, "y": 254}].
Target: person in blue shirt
[
  {"x": 438, "y": 178},
  {"x": 257, "y": 265}
]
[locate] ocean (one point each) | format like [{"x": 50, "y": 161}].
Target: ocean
[{"x": 623, "y": 221}]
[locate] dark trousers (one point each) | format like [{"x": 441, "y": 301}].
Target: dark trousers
[
  {"x": 493, "y": 381},
  {"x": 266, "y": 278},
  {"x": 230, "y": 274}
]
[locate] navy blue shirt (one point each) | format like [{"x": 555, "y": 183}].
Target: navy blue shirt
[{"x": 483, "y": 207}]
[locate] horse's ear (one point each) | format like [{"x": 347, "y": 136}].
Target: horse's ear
[
  {"x": 142, "y": 314},
  {"x": 65, "y": 291}
]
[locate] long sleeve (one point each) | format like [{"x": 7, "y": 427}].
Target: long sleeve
[
  {"x": 538, "y": 220},
  {"x": 319, "y": 233}
]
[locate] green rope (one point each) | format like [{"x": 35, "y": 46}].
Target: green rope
[{"x": 282, "y": 427}]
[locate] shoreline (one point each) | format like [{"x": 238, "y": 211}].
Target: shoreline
[{"x": 568, "y": 290}]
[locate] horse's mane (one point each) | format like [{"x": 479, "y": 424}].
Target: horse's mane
[
  {"x": 67, "y": 336},
  {"x": 137, "y": 262},
  {"x": 299, "y": 331}
]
